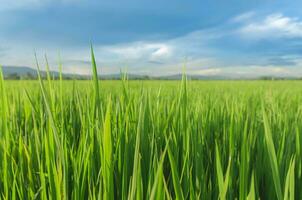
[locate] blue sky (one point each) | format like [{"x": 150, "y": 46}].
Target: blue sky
[{"x": 211, "y": 37}]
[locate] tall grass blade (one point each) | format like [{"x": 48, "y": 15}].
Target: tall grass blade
[{"x": 272, "y": 155}]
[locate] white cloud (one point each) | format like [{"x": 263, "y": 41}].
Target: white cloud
[
  {"x": 161, "y": 52},
  {"x": 138, "y": 50},
  {"x": 243, "y": 17},
  {"x": 273, "y": 26},
  {"x": 207, "y": 72},
  {"x": 254, "y": 71}
]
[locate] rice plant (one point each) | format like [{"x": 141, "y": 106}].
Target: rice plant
[{"x": 150, "y": 139}]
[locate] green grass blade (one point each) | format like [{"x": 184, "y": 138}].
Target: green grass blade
[
  {"x": 107, "y": 153},
  {"x": 175, "y": 176},
  {"x": 272, "y": 155}
]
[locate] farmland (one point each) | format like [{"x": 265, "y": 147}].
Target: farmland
[{"x": 150, "y": 139}]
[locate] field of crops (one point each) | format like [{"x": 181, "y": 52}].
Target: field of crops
[{"x": 150, "y": 139}]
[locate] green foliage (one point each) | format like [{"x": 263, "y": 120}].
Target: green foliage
[{"x": 126, "y": 139}]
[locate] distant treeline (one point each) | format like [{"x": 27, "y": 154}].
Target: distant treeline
[{"x": 29, "y": 76}]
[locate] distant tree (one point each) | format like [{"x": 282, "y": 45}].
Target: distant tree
[
  {"x": 30, "y": 76},
  {"x": 13, "y": 76},
  {"x": 266, "y": 78}
]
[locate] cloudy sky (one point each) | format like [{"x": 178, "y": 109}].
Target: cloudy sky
[{"x": 210, "y": 37}]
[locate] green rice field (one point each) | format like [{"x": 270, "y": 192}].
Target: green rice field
[{"x": 150, "y": 139}]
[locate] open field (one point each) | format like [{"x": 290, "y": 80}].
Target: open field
[
  {"x": 150, "y": 100},
  {"x": 150, "y": 139}
]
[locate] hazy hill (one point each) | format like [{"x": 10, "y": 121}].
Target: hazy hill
[
  {"x": 23, "y": 72},
  {"x": 7, "y": 70},
  {"x": 16, "y": 72}
]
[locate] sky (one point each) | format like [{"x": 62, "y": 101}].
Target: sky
[{"x": 236, "y": 38}]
